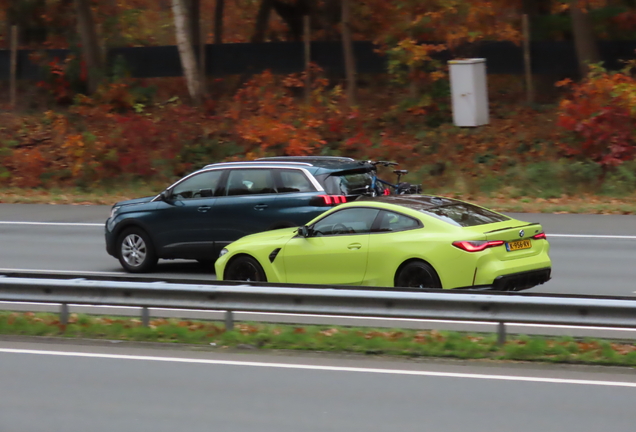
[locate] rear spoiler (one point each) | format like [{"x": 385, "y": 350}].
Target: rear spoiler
[{"x": 507, "y": 228}]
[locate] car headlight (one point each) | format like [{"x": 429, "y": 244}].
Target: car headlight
[
  {"x": 223, "y": 252},
  {"x": 114, "y": 211}
]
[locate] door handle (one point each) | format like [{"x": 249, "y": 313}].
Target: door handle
[
  {"x": 260, "y": 207},
  {"x": 203, "y": 209},
  {"x": 354, "y": 246}
]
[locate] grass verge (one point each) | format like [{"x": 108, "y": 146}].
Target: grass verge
[
  {"x": 396, "y": 342},
  {"x": 503, "y": 202}
]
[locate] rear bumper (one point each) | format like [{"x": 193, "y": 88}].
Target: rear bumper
[{"x": 521, "y": 281}]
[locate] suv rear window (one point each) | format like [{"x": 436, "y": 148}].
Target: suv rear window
[
  {"x": 464, "y": 214},
  {"x": 349, "y": 183}
]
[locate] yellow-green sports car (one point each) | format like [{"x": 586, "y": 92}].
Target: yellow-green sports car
[{"x": 414, "y": 241}]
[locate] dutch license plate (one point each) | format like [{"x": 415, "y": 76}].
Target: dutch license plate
[{"x": 518, "y": 245}]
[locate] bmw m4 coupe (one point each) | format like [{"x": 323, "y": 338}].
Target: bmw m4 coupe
[{"x": 414, "y": 241}]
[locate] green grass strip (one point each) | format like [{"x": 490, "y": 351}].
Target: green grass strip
[{"x": 395, "y": 342}]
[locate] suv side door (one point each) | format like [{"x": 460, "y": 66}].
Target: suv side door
[
  {"x": 246, "y": 205},
  {"x": 181, "y": 227},
  {"x": 296, "y": 191}
]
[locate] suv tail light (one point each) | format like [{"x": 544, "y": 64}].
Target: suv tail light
[
  {"x": 540, "y": 236},
  {"x": 477, "y": 246},
  {"x": 328, "y": 200}
]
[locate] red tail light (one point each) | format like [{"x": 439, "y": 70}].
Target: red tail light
[
  {"x": 328, "y": 200},
  {"x": 540, "y": 236},
  {"x": 477, "y": 246}
]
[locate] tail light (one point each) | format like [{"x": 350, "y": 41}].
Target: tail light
[
  {"x": 328, "y": 200},
  {"x": 540, "y": 236},
  {"x": 477, "y": 246}
]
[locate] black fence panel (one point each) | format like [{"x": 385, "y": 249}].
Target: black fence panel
[
  {"x": 27, "y": 69},
  {"x": 554, "y": 58}
]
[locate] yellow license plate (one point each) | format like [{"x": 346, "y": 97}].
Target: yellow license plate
[{"x": 518, "y": 245}]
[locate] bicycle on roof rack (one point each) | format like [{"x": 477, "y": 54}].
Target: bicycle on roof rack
[{"x": 382, "y": 187}]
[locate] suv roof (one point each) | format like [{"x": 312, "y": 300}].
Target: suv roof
[{"x": 328, "y": 163}]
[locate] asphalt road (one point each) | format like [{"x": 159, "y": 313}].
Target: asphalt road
[
  {"x": 120, "y": 388},
  {"x": 592, "y": 254}
]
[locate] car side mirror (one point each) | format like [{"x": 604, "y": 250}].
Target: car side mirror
[
  {"x": 166, "y": 196},
  {"x": 304, "y": 231}
]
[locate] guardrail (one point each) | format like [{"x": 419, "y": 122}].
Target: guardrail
[{"x": 455, "y": 306}]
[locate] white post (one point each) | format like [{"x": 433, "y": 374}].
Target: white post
[{"x": 469, "y": 92}]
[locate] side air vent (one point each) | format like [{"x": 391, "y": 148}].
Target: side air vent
[{"x": 273, "y": 255}]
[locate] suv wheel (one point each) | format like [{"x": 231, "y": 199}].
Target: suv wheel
[{"x": 135, "y": 251}]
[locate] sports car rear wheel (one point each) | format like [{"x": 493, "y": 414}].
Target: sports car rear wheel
[
  {"x": 417, "y": 274},
  {"x": 245, "y": 268}
]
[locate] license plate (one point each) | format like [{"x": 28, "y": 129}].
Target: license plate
[{"x": 518, "y": 245}]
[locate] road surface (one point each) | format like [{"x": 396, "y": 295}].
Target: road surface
[{"x": 69, "y": 388}]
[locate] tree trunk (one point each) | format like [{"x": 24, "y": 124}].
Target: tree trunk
[
  {"x": 536, "y": 7},
  {"x": 262, "y": 21},
  {"x": 186, "y": 51},
  {"x": 586, "y": 48},
  {"x": 194, "y": 16},
  {"x": 349, "y": 55},
  {"x": 90, "y": 44},
  {"x": 218, "y": 21}
]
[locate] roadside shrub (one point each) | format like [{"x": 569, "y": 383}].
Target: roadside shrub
[
  {"x": 600, "y": 113},
  {"x": 541, "y": 179},
  {"x": 621, "y": 181}
]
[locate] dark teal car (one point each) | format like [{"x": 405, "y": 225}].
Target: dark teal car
[{"x": 205, "y": 211}]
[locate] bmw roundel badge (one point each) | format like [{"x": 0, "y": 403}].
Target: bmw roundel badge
[{"x": 521, "y": 233}]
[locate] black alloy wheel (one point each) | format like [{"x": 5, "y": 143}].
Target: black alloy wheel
[
  {"x": 417, "y": 274},
  {"x": 245, "y": 268}
]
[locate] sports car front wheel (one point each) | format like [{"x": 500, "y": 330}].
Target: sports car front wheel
[
  {"x": 417, "y": 274},
  {"x": 245, "y": 268}
]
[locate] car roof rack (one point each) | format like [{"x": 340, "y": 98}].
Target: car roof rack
[{"x": 306, "y": 158}]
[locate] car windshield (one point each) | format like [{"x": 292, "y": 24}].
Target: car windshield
[
  {"x": 348, "y": 183},
  {"x": 464, "y": 214}
]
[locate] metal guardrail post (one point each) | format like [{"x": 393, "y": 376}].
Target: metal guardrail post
[
  {"x": 64, "y": 314},
  {"x": 501, "y": 333},
  {"x": 145, "y": 316},
  {"x": 229, "y": 320}
]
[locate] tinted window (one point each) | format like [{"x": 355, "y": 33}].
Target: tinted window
[
  {"x": 294, "y": 181},
  {"x": 349, "y": 221},
  {"x": 464, "y": 215},
  {"x": 391, "y": 222},
  {"x": 250, "y": 182},
  {"x": 348, "y": 184},
  {"x": 198, "y": 186}
]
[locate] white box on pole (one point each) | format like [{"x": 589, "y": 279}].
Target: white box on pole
[{"x": 469, "y": 92}]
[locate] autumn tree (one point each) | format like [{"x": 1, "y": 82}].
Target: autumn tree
[
  {"x": 587, "y": 51},
  {"x": 90, "y": 45},
  {"x": 219, "y": 12},
  {"x": 324, "y": 17},
  {"x": 28, "y": 15}
]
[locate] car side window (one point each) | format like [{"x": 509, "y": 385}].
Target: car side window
[
  {"x": 294, "y": 181},
  {"x": 392, "y": 222},
  {"x": 200, "y": 185},
  {"x": 250, "y": 182},
  {"x": 348, "y": 221}
]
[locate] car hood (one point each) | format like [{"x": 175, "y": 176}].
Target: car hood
[
  {"x": 267, "y": 236},
  {"x": 135, "y": 201}
]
